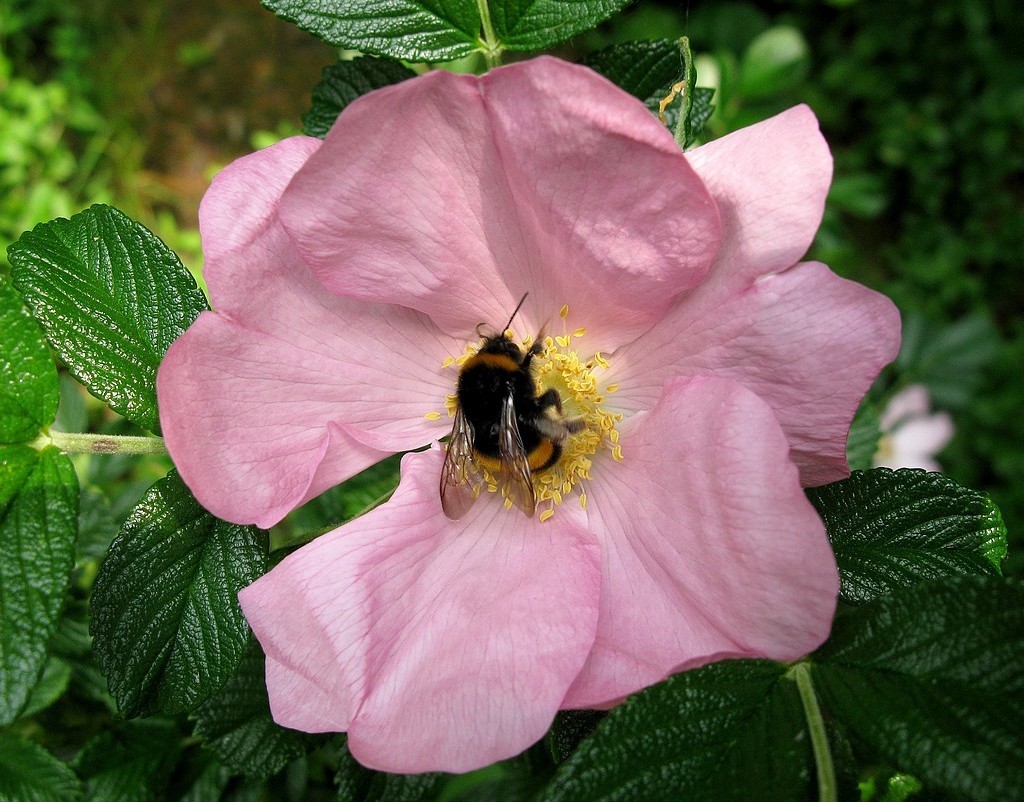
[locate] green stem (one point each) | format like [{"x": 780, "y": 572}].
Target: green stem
[
  {"x": 78, "y": 443},
  {"x": 827, "y": 789},
  {"x": 493, "y": 48},
  {"x": 682, "y": 131}
]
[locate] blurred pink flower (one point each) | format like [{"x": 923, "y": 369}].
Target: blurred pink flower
[
  {"x": 716, "y": 372},
  {"x": 911, "y": 434}
]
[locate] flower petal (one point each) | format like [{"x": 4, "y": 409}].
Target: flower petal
[
  {"x": 770, "y": 181},
  {"x": 241, "y": 204},
  {"x": 616, "y": 246},
  {"x": 249, "y": 394},
  {"x": 709, "y": 546},
  {"x": 438, "y": 645},
  {"x": 910, "y": 402},
  {"x": 508, "y": 183},
  {"x": 806, "y": 341}
]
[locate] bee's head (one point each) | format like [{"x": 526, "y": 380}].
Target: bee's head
[{"x": 500, "y": 344}]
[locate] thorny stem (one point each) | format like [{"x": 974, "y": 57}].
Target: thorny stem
[
  {"x": 827, "y": 791},
  {"x": 492, "y": 53},
  {"x": 79, "y": 443}
]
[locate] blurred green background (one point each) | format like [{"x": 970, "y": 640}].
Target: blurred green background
[{"x": 137, "y": 104}]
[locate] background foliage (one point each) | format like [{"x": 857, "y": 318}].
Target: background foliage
[{"x": 138, "y": 103}]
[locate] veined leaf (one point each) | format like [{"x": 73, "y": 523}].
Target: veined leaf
[
  {"x": 28, "y": 773},
  {"x": 932, "y": 680},
  {"x": 168, "y": 631},
  {"x": 111, "y": 298},
  {"x": 344, "y": 82},
  {"x": 28, "y": 377},
  {"x": 38, "y": 521},
  {"x": 891, "y": 529}
]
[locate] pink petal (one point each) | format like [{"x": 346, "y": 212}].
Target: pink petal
[
  {"x": 241, "y": 204},
  {"x": 288, "y": 389},
  {"x": 709, "y": 546},
  {"x": 911, "y": 401},
  {"x": 437, "y": 645},
  {"x": 770, "y": 181},
  {"x": 806, "y": 341},
  {"x": 539, "y": 177}
]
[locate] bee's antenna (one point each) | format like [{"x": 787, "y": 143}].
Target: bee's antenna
[{"x": 515, "y": 311}]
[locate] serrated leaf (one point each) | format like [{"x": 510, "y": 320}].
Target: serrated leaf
[
  {"x": 168, "y": 631},
  {"x": 344, "y": 82},
  {"x": 237, "y": 727},
  {"x": 441, "y": 30},
  {"x": 728, "y": 731},
  {"x": 932, "y": 680},
  {"x": 28, "y": 377},
  {"x": 537, "y": 24},
  {"x": 130, "y": 763},
  {"x": 891, "y": 529},
  {"x": 111, "y": 298},
  {"x": 28, "y": 773},
  {"x": 415, "y": 30},
  {"x": 38, "y": 519},
  {"x": 648, "y": 70}
]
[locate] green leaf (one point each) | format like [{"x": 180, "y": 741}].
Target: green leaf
[
  {"x": 237, "y": 727},
  {"x": 891, "y": 529},
  {"x": 28, "y": 773},
  {"x": 538, "y": 24},
  {"x": 949, "y": 359},
  {"x": 51, "y": 686},
  {"x": 38, "y": 517},
  {"x": 441, "y": 30},
  {"x": 416, "y": 30},
  {"x": 932, "y": 680},
  {"x": 728, "y": 731},
  {"x": 350, "y": 499},
  {"x": 776, "y": 61},
  {"x": 862, "y": 442},
  {"x": 111, "y": 298},
  {"x": 130, "y": 763},
  {"x": 569, "y": 730},
  {"x": 344, "y": 82},
  {"x": 648, "y": 70},
  {"x": 168, "y": 631},
  {"x": 356, "y": 783},
  {"x": 28, "y": 377}
]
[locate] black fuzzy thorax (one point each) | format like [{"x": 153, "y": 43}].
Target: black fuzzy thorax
[{"x": 482, "y": 391}]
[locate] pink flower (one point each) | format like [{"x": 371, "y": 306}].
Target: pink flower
[
  {"x": 716, "y": 374},
  {"x": 911, "y": 434}
]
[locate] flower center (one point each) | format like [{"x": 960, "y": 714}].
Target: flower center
[{"x": 557, "y": 365}]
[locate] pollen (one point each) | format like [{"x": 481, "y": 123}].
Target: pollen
[{"x": 559, "y": 366}]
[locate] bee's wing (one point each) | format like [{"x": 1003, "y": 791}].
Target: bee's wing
[
  {"x": 515, "y": 480},
  {"x": 460, "y": 480}
]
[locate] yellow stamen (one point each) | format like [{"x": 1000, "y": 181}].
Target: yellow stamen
[
  {"x": 546, "y": 515},
  {"x": 433, "y": 416}
]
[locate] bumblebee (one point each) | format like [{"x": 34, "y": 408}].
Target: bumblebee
[{"x": 502, "y": 425}]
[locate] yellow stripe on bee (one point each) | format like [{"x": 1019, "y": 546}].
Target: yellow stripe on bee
[{"x": 492, "y": 360}]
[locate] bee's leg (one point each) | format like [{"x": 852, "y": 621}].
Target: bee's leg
[
  {"x": 531, "y": 352},
  {"x": 551, "y": 399}
]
